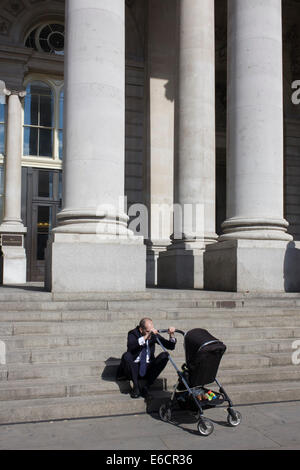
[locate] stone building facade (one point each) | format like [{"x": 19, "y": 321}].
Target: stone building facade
[{"x": 188, "y": 108}]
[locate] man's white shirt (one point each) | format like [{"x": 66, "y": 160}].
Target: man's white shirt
[{"x": 142, "y": 342}]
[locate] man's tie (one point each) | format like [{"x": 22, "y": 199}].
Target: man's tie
[{"x": 143, "y": 361}]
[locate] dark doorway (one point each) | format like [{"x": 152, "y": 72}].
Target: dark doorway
[{"x": 41, "y": 198}]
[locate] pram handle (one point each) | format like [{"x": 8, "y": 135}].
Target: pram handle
[{"x": 176, "y": 331}]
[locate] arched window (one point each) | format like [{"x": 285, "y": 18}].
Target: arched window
[
  {"x": 43, "y": 120},
  {"x": 38, "y": 120},
  {"x": 47, "y": 37}
]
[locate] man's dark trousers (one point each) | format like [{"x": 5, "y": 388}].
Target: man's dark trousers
[{"x": 131, "y": 369}]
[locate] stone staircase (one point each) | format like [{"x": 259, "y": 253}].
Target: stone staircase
[{"x": 59, "y": 353}]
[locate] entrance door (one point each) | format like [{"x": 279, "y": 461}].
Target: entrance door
[{"x": 43, "y": 204}]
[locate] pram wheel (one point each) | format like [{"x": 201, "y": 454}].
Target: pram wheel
[
  {"x": 165, "y": 413},
  {"x": 205, "y": 427},
  {"x": 234, "y": 418}
]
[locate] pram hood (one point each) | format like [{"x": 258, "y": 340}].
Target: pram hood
[{"x": 199, "y": 341}]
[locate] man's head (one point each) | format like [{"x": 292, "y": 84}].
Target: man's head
[{"x": 146, "y": 325}]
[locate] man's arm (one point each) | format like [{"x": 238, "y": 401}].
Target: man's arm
[
  {"x": 171, "y": 342},
  {"x": 134, "y": 344}
]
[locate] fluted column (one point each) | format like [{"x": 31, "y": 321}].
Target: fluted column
[
  {"x": 12, "y": 229},
  {"x": 13, "y": 173},
  {"x": 255, "y": 252},
  {"x": 182, "y": 266},
  {"x": 93, "y": 223},
  {"x": 196, "y": 114},
  {"x": 255, "y": 122}
]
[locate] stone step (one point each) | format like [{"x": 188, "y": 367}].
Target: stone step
[
  {"x": 122, "y": 327},
  {"x": 260, "y": 346},
  {"x": 204, "y": 303},
  {"x": 37, "y": 306},
  {"x": 100, "y": 352},
  {"x": 109, "y": 404},
  {"x": 159, "y": 314},
  {"x": 36, "y": 292},
  {"x": 267, "y": 375},
  {"x": 19, "y": 303},
  {"x": 107, "y": 368},
  {"x": 48, "y": 386},
  {"x": 227, "y": 335},
  {"x": 229, "y": 362},
  {"x": 79, "y": 354},
  {"x": 196, "y": 294},
  {"x": 94, "y": 327}
]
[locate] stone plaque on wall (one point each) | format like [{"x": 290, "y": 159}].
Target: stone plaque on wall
[{"x": 12, "y": 240}]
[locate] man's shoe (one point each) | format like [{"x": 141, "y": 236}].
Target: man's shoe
[{"x": 135, "y": 393}]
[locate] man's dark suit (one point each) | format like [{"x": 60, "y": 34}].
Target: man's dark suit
[{"x": 130, "y": 369}]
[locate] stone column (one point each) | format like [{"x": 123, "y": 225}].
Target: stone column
[
  {"x": 252, "y": 251},
  {"x": 161, "y": 68},
  {"x": 92, "y": 249},
  {"x": 12, "y": 229},
  {"x": 181, "y": 265}
]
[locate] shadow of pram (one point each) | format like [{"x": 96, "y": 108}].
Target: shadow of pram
[
  {"x": 158, "y": 395},
  {"x": 183, "y": 418}
]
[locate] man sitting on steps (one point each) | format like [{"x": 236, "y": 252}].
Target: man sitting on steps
[{"x": 139, "y": 360}]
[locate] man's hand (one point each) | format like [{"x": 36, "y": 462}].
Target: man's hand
[
  {"x": 147, "y": 335},
  {"x": 171, "y": 331},
  {"x": 148, "y": 330}
]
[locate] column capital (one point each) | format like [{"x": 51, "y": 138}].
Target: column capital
[
  {"x": 6, "y": 92},
  {"x": 19, "y": 93},
  {"x": 3, "y": 90}
]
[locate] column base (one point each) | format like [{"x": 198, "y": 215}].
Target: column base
[
  {"x": 180, "y": 269},
  {"x": 252, "y": 266},
  {"x": 13, "y": 265},
  {"x": 13, "y": 261},
  {"x": 85, "y": 263},
  {"x": 153, "y": 252}
]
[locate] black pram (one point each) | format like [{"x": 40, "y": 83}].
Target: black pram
[{"x": 203, "y": 354}]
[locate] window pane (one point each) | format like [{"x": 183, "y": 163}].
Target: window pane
[
  {"x": 31, "y": 109},
  {"x": 45, "y": 149},
  {"x": 30, "y": 141},
  {"x": 2, "y": 139},
  {"x": 1, "y": 179},
  {"x": 60, "y": 137},
  {"x": 60, "y": 185},
  {"x": 61, "y": 110},
  {"x": 2, "y": 110},
  {"x": 39, "y": 88},
  {"x": 43, "y": 229},
  {"x": 46, "y": 111},
  {"x": 45, "y": 184}
]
